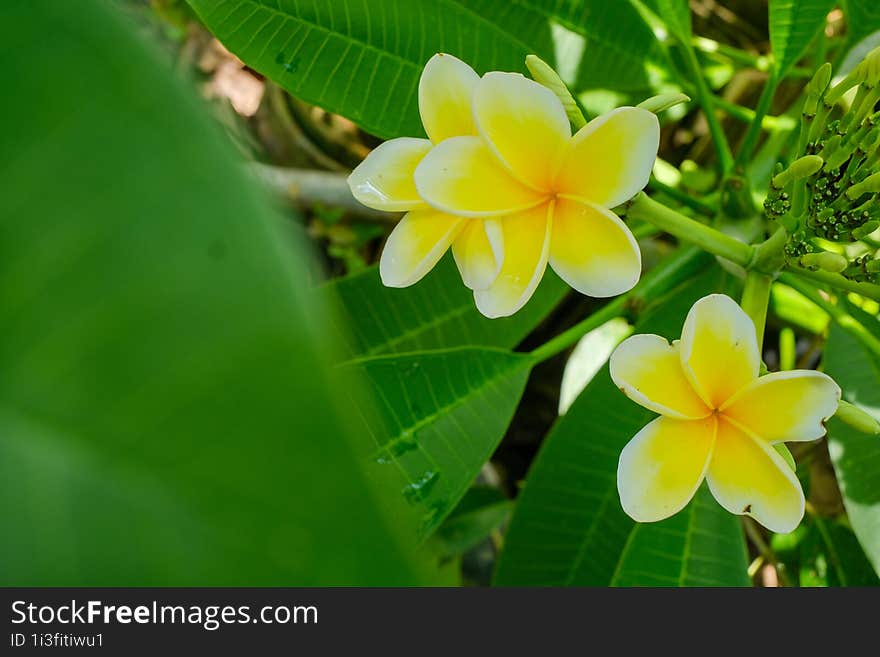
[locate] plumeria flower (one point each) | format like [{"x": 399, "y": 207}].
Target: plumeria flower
[
  {"x": 504, "y": 182},
  {"x": 718, "y": 419}
]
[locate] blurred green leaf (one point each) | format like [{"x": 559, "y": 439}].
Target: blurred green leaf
[
  {"x": 793, "y": 25},
  {"x": 602, "y": 45},
  {"x": 363, "y": 59},
  {"x": 846, "y": 562},
  {"x": 677, "y": 15},
  {"x": 568, "y": 527},
  {"x": 167, "y": 413},
  {"x": 855, "y": 455},
  {"x": 862, "y": 19},
  {"x": 480, "y": 511},
  {"x": 437, "y": 312},
  {"x": 437, "y": 416}
]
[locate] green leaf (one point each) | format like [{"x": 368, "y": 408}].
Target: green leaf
[
  {"x": 677, "y": 14},
  {"x": 855, "y": 455},
  {"x": 601, "y": 44},
  {"x": 480, "y": 511},
  {"x": 167, "y": 412},
  {"x": 438, "y": 312},
  {"x": 862, "y": 19},
  {"x": 793, "y": 25},
  {"x": 437, "y": 416},
  {"x": 847, "y": 563},
  {"x": 568, "y": 527},
  {"x": 363, "y": 58}
]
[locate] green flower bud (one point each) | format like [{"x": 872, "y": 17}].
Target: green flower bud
[
  {"x": 544, "y": 74},
  {"x": 826, "y": 261},
  {"x": 801, "y": 168},
  {"x": 857, "y": 418},
  {"x": 663, "y": 102},
  {"x": 865, "y": 229},
  {"x": 872, "y": 266},
  {"x": 870, "y": 185}
]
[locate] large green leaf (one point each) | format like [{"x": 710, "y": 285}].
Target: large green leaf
[
  {"x": 438, "y": 312},
  {"x": 167, "y": 414},
  {"x": 677, "y": 14},
  {"x": 862, "y": 19},
  {"x": 363, "y": 58},
  {"x": 793, "y": 25},
  {"x": 856, "y": 456},
  {"x": 437, "y": 416},
  {"x": 569, "y": 528},
  {"x": 604, "y": 45}
]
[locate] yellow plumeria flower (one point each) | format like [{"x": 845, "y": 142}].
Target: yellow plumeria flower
[
  {"x": 718, "y": 419},
  {"x": 385, "y": 181},
  {"x": 509, "y": 187}
]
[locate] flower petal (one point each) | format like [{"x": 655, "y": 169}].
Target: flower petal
[
  {"x": 445, "y": 91},
  {"x": 648, "y": 370},
  {"x": 478, "y": 251},
  {"x": 415, "y": 245},
  {"x": 785, "y": 406},
  {"x": 610, "y": 159},
  {"x": 461, "y": 176},
  {"x": 526, "y": 245},
  {"x": 662, "y": 467},
  {"x": 384, "y": 180},
  {"x": 524, "y": 124},
  {"x": 719, "y": 349},
  {"x": 748, "y": 476},
  {"x": 592, "y": 249}
]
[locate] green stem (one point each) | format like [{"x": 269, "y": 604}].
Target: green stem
[
  {"x": 662, "y": 278},
  {"x": 682, "y": 197},
  {"x": 754, "y": 131},
  {"x": 748, "y": 115},
  {"x": 755, "y": 299},
  {"x": 710, "y": 47},
  {"x": 707, "y": 102},
  {"x": 842, "y": 318},
  {"x": 868, "y": 290},
  {"x": 645, "y": 208}
]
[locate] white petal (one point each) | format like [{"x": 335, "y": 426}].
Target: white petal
[
  {"x": 445, "y": 91},
  {"x": 719, "y": 349},
  {"x": 610, "y": 159},
  {"x": 524, "y": 124},
  {"x": 461, "y": 176},
  {"x": 385, "y": 179},
  {"x": 648, "y": 370},
  {"x": 526, "y": 245},
  {"x": 786, "y": 406},
  {"x": 662, "y": 467},
  {"x": 478, "y": 251},
  {"x": 415, "y": 245},
  {"x": 748, "y": 476},
  {"x": 592, "y": 249}
]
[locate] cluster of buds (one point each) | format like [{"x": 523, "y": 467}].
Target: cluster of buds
[{"x": 831, "y": 193}]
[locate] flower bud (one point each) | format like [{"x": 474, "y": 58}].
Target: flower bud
[
  {"x": 826, "y": 261},
  {"x": 870, "y": 185},
  {"x": 661, "y": 102},
  {"x": 857, "y": 418},
  {"x": 801, "y": 168},
  {"x": 865, "y": 229},
  {"x": 544, "y": 74}
]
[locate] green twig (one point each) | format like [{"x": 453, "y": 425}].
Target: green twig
[
  {"x": 682, "y": 197},
  {"x": 645, "y": 208},
  {"x": 755, "y": 298},
  {"x": 868, "y": 290}
]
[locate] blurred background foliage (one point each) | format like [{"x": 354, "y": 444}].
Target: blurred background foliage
[{"x": 185, "y": 452}]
